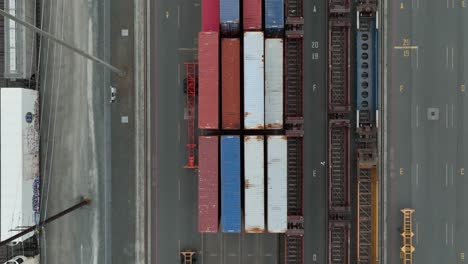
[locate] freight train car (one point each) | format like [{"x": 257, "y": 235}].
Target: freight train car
[
  {"x": 208, "y": 80},
  {"x": 274, "y": 18},
  {"x": 274, "y": 83},
  {"x": 230, "y": 83},
  {"x": 252, "y": 15},
  {"x": 229, "y": 18},
  {"x": 254, "y": 184},
  {"x": 254, "y": 80},
  {"x": 210, "y": 15},
  {"x": 208, "y": 184},
  {"x": 277, "y": 184},
  {"x": 230, "y": 185},
  {"x": 366, "y": 72}
]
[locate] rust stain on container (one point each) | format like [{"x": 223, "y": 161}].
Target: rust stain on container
[
  {"x": 255, "y": 230},
  {"x": 247, "y": 184},
  {"x": 274, "y": 126}
]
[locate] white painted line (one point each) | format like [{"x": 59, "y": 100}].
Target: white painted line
[
  {"x": 178, "y": 16},
  {"x": 417, "y": 233},
  {"x": 417, "y": 115},
  {"x": 417, "y": 174},
  {"x": 446, "y": 116},
  {"x": 178, "y": 74},
  {"x": 453, "y": 3},
  {"x": 446, "y": 233},
  {"x": 178, "y": 243},
  {"x": 178, "y": 182},
  {"x": 446, "y": 174},
  {"x": 446, "y": 52},
  {"x": 452, "y": 58},
  {"x": 452, "y": 172},
  {"x": 452, "y": 234},
  {"x": 452, "y": 115},
  {"x": 124, "y": 32}
]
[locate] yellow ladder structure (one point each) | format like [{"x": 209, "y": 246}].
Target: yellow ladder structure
[
  {"x": 407, "y": 234},
  {"x": 187, "y": 256}
]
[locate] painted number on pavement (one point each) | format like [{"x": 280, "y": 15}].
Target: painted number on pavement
[
  {"x": 315, "y": 56},
  {"x": 402, "y": 171},
  {"x": 315, "y": 44},
  {"x": 462, "y": 171}
]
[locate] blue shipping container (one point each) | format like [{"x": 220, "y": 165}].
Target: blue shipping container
[
  {"x": 274, "y": 18},
  {"x": 229, "y": 13},
  {"x": 230, "y": 185}
]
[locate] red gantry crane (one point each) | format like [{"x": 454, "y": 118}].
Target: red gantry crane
[{"x": 190, "y": 88}]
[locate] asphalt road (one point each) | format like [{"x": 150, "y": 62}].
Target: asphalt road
[
  {"x": 315, "y": 132},
  {"x": 426, "y": 158}
]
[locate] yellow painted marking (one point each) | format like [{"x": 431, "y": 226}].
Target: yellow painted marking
[
  {"x": 405, "y": 47},
  {"x": 462, "y": 256},
  {"x": 462, "y": 171},
  {"x": 167, "y": 14},
  {"x": 463, "y": 3},
  {"x": 402, "y": 88},
  {"x": 402, "y": 6},
  {"x": 406, "y": 42},
  {"x": 462, "y": 88},
  {"x": 402, "y": 171}
]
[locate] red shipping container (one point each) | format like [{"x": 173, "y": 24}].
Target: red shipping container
[
  {"x": 252, "y": 13},
  {"x": 230, "y": 83},
  {"x": 208, "y": 184},
  {"x": 210, "y": 15},
  {"x": 208, "y": 80}
]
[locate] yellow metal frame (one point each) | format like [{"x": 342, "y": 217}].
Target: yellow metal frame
[
  {"x": 188, "y": 256},
  {"x": 407, "y": 249}
]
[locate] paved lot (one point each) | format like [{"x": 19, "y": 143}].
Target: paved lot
[
  {"x": 80, "y": 131},
  {"x": 426, "y": 158}
]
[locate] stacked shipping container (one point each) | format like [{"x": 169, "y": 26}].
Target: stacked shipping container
[
  {"x": 210, "y": 15},
  {"x": 230, "y": 184},
  {"x": 230, "y": 83},
  {"x": 208, "y": 46},
  {"x": 208, "y": 184},
  {"x": 262, "y": 105},
  {"x": 254, "y": 106}
]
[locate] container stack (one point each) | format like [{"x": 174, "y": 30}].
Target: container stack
[{"x": 240, "y": 102}]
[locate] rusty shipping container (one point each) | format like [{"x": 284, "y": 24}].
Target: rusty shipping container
[
  {"x": 230, "y": 83},
  {"x": 252, "y": 15},
  {"x": 208, "y": 184},
  {"x": 210, "y": 15},
  {"x": 208, "y": 80}
]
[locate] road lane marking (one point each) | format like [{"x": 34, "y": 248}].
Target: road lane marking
[
  {"x": 452, "y": 173},
  {"x": 179, "y": 187},
  {"x": 178, "y": 131},
  {"x": 446, "y": 233},
  {"x": 417, "y": 174},
  {"x": 446, "y": 116},
  {"x": 452, "y": 115},
  {"x": 405, "y": 47},
  {"x": 452, "y": 234},
  {"x": 446, "y": 174},
  {"x": 178, "y": 16},
  {"x": 452, "y": 58},
  {"x": 417, "y": 115},
  {"x": 417, "y": 58},
  {"x": 446, "y": 52},
  {"x": 178, "y": 244}
]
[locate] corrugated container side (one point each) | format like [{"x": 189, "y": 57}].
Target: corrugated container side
[
  {"x": 252, "y": 15},
  {"x": 230, "y": 83},
  {"x": 230, "y": 184},
  {"x": 274, "y": 83},
  {"x": 277, "y": 184},
  {"x": 254, "y": 184},
  {"x": 254, "y": 91},
  {"x": 208, "y": 83},
  {"x": 274, "y": 17},
  {"x": 208, "y": 184},
  {"x": 210, "y": 15},
  {"x": 230, "y": 18}
]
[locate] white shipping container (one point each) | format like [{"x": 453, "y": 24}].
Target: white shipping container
[
  {"x": 277, "y": 184},
  {"x": 254, "y": 184},
  {"x": 19, "y": 160},
  {"x": 274, "y": 83},
  {"x": 254, "y": 91}
]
